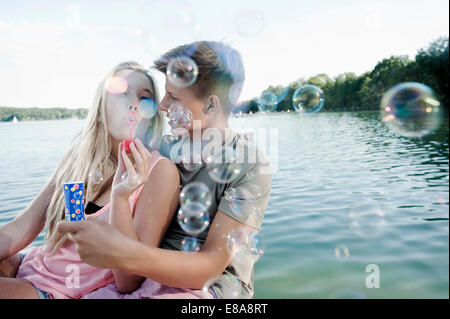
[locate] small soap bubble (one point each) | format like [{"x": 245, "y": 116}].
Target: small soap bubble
[
  {"x": 308, "y": 99},
  {"x": 193, "y": 218},
  {"x": 190, "y": 244},
  {"x": 410, "y": 109},
  {"x": 223, "y": 165},
  {"x": 267, "y": 102},
  {"x": 230, "y": 194},
  {"x": 249, "y": 23},
  {"x": 96, "y": 177},
  {"x": 196, "y": 192},
  {"x": 342, "y": 252},
  {"x": 182, "y": 71},
  {"x": 116, "y": 85},
  {"x": 367, "y": 219},
  {"x": 148, "y": 108}
]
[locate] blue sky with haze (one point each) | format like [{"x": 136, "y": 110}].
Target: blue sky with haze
[{"x": 54, "y": 53}]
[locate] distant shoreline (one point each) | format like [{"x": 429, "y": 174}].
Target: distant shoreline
[{"x": 9, "y": 114}]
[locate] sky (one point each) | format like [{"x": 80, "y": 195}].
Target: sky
[{"x": 55, "y": 53}]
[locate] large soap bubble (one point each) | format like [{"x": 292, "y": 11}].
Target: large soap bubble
[
  {"x": 223, "y": 165},
  {"x": 193, "y": 218},
  {"x": 196, "y": 192},
  {"x": 308, "y": 99},
  {"x": 249, "y": 23},
  {"x": 268, "y": 102},
  {"x": 410, "y": 109},
  {"x": 182, "y": 71}
]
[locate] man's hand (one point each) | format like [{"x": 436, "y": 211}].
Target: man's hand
[{"x": 98, "y": 243}]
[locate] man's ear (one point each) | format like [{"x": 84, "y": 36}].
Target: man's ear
[{"x": 212, "y": 104}]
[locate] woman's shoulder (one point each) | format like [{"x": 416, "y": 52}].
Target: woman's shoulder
[{"x": 163, "y": 167}]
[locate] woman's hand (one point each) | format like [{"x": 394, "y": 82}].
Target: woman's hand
[{"x": 129, "y": 177}]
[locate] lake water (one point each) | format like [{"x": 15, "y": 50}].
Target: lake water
[{"x": 347, "y": 194}]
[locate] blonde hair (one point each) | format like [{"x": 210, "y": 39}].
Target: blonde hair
[{"x": 94, "y": 151}]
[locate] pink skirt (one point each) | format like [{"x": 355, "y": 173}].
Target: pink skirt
[{"x": 149, "y": 289}]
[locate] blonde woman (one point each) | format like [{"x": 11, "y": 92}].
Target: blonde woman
[{"x": 151, "y": 186}]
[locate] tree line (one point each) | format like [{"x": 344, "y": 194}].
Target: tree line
[
  {"x": 349, "y": 92},
  {"x": 33, "y": 114},
  {"x": 345, "y": 92}
]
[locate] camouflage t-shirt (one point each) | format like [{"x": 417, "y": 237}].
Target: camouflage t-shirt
[{"x": 252, "y": 184}]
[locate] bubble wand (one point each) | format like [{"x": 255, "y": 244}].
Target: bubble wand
[{"x": 131, "y": 120}]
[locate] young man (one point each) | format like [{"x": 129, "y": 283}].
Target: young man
[{"x": 210, "y": 100}]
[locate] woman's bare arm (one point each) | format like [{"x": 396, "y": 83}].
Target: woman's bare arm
[
  {"x": 24, "y": 228},
  {"x": 154, "y": 211}
]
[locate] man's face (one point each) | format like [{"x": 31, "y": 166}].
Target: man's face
[{"x": 186, "y": 98}]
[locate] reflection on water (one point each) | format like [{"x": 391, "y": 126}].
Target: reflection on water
[{"x": 330, "y": 166}]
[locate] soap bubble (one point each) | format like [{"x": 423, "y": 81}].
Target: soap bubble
[
  {"x": 190, "y": 244},
  {"x": 367, "y": 219},
  {"x": 244, "y": 241},
  {"x": 96, "y": 177},
  {"x": 223, "y": 166},
  {"x": 193, "y": 218},
  {"x": 175, "y": 15},
  {"x": 196, "y": 192},
  {"x": 268, "y": 102},
  {"x": 235, "y": 92},
  {"x": 188, "y": 156},
  {"x": 229, "y": 285},
  {"x": 230, "y": 194},
  {"x": 410, "y": 109},
  {"x": 180, "y": 118},
  {"x": 308, "y": 99},
  {"x": 148, "y": 108},
  {"x": 242, "y": 201},
  {"x": 182, "y": 71},
  {"x": 116, "y": 85},
  {"x": 191, "y": 161},
  {"x": 249, "y": 23},
  {"x": 342, "y": 252}
]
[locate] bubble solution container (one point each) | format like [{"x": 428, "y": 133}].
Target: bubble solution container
[{"x": 74, "y": 201}]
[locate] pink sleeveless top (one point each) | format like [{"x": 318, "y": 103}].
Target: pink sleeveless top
[{"x": 64, "y": 275}]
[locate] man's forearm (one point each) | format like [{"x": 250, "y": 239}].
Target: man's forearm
[{"x": 172, "y": 268}]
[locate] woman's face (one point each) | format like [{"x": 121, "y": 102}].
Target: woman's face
[{"x": 127, "y": 93}]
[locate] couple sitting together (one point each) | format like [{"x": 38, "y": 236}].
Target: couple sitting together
[{"x": 131, "y": 244}]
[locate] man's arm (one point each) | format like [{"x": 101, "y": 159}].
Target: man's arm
[{"x": 102, "y": 245}]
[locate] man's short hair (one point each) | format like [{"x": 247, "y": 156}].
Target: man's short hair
[{"x": 220, "y": 69}]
